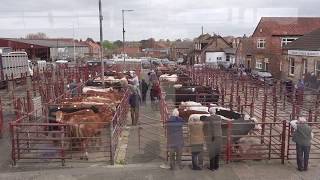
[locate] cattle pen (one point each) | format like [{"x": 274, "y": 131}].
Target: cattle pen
[
  {"x": 272, "y": 107},
  {"x": 36, "y": 136}
]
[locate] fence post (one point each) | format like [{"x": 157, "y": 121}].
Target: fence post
[
  {"x": 283, "y": 141},
  {"x": 1, "y": 119},
  {"x": 229, "y": 144},
  {"x": 62, "y": 146},
  {"x": 111, "y": 144},
  {"x": 13, "y": 149}
]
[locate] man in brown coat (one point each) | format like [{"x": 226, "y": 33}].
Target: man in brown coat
[{"x": 196, "y": 143}]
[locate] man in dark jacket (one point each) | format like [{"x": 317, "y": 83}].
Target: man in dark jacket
[
  {"x": 175, "y": 139},
  {"x": 302, "y": 136},
  {"x": 134, "y": 101},
  {"x": 213, "y": 136},
  {"x": 144, "y": 90}
]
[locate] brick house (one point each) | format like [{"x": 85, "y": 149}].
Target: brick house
[
  {"x": 244, "y": 53},
  {"x": 272, "y": 34},
  {"x": 180, "y": 50},
  {"x": 94, "y": 48},
  {"x": 212, "y": 49},
  {"x": 303, "y": 59}
]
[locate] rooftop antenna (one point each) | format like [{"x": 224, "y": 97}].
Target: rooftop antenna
[{"x": 201, "y": 30}]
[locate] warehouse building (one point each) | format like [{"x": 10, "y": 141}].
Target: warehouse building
[{"x": 47, "y": 49}]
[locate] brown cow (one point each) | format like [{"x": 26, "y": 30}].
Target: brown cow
[
  {"x": 86, "y": 123},
  {"x": 185, "y": 114}
]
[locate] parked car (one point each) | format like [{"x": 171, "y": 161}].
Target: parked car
[{"x": 263, "y": 76}]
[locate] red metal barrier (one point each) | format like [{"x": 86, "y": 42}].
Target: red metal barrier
[{"x": 1, "y": 119}]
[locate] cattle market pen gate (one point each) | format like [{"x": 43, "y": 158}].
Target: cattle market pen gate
[
  {"x": 273, "y": 106},
  {"x": 32, "y": 140}
]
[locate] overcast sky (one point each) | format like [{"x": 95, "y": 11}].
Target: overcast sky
[{"x": 161, "y": 19}]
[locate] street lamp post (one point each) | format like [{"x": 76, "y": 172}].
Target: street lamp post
[
  {"x": 101, "y": 44},
  {"x": 123, "y": 32}
]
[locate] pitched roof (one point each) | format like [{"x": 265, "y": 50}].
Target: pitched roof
[
  {"x": 203, "y": 37},
  {"x": 53, "y": 43},
  {"x": 290, "y": 26},
  {"x": 310, "y": 41},
  {"x": 183, "y": 45},
  {"x": 247, "y": 45}
]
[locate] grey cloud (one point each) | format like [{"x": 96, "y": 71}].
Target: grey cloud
[{"x": 151, "y": 18}]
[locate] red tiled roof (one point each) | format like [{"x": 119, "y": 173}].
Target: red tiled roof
[{"x": 291, "y": 26}]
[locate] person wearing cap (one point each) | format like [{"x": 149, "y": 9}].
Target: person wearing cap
[
  {"x": 175, "y": 142},
  {"x": 302, "y": 136},
  {"x": 134, "y": 101},
  {"x": 134, "y": 79}
]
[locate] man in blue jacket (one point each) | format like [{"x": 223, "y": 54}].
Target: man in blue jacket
[
  {"x": 175, "y": 139},
  {"x": 134, "y": 101}
]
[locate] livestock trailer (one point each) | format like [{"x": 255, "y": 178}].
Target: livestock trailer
[{"x": 14, "y": 65}]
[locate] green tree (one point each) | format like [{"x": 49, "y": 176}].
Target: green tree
[
  {"x": 117, "y": 43},
  {"x": 108, "y": 45}
]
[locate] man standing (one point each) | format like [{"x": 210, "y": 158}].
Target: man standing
[
  {"x": 302, "y": 136},
  {"x": 196, "y": 143},
  {"x": 134, "y": 101},
  {"x": 73, "y": 88},
  {"x": 144, "y": 90},
  {"x": 213, "y": 137},
  {"x": 175, "y": 139}
]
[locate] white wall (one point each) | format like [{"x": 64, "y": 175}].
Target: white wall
[
  {"x": 68, "y": 52},
  {"x": 211, "y": 57}
]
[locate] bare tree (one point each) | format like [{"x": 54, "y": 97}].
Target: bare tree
[{"x": 39, "y": 35}]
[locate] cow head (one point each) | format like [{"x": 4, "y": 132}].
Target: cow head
[{"x": 59, "y": 116}]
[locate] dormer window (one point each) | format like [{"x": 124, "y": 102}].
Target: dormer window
[{"x": 287, "y": 40}]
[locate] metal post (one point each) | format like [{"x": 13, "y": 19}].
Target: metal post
[
  {"x": 283, "y": 146},
  {"x": 229, "y": 142},
  {"x": 1, "y": 119},
  {"x": 101, "y": 44},
  {"x": 123, "y": 38},
  {"x": 13, "y": 149}
]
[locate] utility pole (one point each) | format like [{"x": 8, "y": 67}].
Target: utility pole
[
  {"x": 123, "y": 33},
  {"x": 101, "y": 44}
]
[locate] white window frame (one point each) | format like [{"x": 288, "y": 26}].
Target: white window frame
[
  {"x": 287, "y": 40},
  {"x": 261, "y": 43},
  {"x": 259, "y": 65},
  {"x": 291, "y": 66},
  {"x": 219, "y": 58},
  {"x": 305, "y": 66}
]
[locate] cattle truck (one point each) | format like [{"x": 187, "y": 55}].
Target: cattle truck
[{"x": 13, "y": 66}]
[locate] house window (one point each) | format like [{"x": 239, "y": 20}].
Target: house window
[
  {"x": 291, "y": 66},
  {"x": 219, "y": 58},
  {"x": 285, "y": 41},
  {"x": 228, "y": 58},
  {"x": 259, "y": 65},
  {"x": 305, "y": 66},
  {"x": 261, "y": 43}
]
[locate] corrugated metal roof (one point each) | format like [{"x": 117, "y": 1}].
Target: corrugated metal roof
[{"x": 52, "y": 43}]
